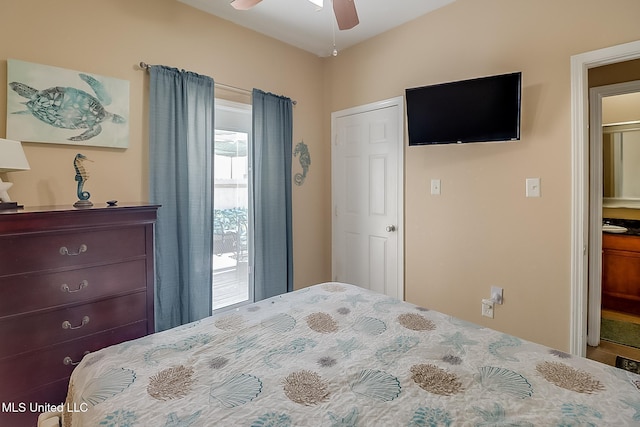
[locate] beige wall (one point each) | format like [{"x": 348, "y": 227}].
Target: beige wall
[
  {"x": 482, "y": 231},
  {"x": 110, "y": 38}
]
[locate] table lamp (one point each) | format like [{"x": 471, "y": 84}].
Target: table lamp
[{"x": 12, "y": 159}]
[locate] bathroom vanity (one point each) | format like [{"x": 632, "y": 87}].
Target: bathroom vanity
[{"x": 621, "y": 272}]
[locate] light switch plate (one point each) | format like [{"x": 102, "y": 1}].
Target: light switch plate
[
  {"x": 533, "y": 187},
  {"x": 435, "y": 187}
]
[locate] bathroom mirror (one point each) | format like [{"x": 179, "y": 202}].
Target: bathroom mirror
[{"x": 621, "y": 165}]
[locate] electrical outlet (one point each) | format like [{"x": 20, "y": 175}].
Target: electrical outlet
[{"x": 487, "y": 308}]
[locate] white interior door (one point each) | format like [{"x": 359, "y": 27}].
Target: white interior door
[{"x": 367, "y": 178}]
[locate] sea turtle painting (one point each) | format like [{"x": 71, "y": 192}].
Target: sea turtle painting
[{"x": 69, "y": 107}]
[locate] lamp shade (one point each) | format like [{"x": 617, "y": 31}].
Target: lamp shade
[{"x": 12, "y": 156}]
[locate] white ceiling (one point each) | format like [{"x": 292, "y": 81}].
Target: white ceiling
[{"x": 298, "y": 23}]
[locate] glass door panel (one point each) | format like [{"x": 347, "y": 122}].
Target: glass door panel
[{"x": 231, "y": 281}]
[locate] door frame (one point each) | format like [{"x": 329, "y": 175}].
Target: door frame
[
  {"x": 378, "y": 105},
  {"x": 596, "y": 94},
  {"x": 582, "y": 217}
]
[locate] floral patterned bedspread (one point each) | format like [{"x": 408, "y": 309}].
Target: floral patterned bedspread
[{"x": 338, "y": 355}]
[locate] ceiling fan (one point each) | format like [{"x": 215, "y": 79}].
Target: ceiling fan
[{"x": 345, "y": 11}]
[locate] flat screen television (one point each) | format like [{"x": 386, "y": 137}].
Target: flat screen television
[{"x": 485, "y": 109}]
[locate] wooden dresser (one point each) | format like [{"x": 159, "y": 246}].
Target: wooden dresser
[{"x": 72, "y": 281}]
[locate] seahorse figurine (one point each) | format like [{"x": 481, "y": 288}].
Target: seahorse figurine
[
  {"x": 81, "y": 177},
  {"x": 305, "y": 161}
]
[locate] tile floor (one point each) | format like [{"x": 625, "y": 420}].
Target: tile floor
[{"x": 606, "y": 352}]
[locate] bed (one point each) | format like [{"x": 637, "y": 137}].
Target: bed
[{"x": 338, "y": 355}]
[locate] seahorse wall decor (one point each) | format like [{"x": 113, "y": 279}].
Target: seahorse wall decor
[
  {"x": 305, "y": 161},
  {"x": 81, "y": 177}
]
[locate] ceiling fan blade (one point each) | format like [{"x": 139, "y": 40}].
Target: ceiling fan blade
[
  {"x": 244, "y": 4},
  {"x": 346, "y": 15}
]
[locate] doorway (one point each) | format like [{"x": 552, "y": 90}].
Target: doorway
[
  {"x": 231, "y": 194},
  {"x": 367, "y": 196},
  {"x": 583, "y": 219},
  {"x": 597, "y": 101}
]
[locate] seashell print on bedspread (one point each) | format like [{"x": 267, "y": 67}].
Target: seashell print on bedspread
[
  {"x": 569, "y": 378},
  {"x": 236, "y": 390},
  {"x": 322, "y": 323},
  {"x": 501, "y": 380},
  {"x": 337, "y": 355},
  {"x": 107, "y": 385},
  {"x": 305, "y": 387},
  {"x": 377, "y": 385},
  {"x": 233, "y": 322},
  {"x": 369, "y": 325},
  {"x": 171, "y": 383},
  {"x": 416, "y": 322},
  {"x": 436, "y": 380},
  {"x": 280, "y": 323}
]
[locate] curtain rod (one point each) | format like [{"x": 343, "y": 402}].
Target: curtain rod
[{"x": 146, "y": 66}]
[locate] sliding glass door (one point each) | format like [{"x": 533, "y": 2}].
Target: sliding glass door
[{"x": 231, "y": 195}]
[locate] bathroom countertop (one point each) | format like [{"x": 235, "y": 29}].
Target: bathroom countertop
[{"x": 632, "y": 225}]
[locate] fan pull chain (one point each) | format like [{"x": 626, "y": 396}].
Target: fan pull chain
[{"x": 333, "y": 29}]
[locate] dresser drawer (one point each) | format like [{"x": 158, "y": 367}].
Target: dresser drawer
[
  {"x": 29, "y": 292},
  {"x": 30, "y": 332},
  {"x": 47, "y": 251},
  {"x": 23, "y": 373}
]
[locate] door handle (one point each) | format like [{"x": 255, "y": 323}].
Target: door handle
[{"x": 391, "y": 228}]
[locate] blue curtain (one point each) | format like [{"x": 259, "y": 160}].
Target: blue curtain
[
  {"x": 181, "y": 137},
  {"x": 272, "y": 223}
]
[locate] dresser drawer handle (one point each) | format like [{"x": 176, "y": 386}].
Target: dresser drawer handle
[
  {"x": 67, "y": 325},
  {"x": 81, "y": 249},
  {"x": 69, "y": 361},
  {"x": 82, "y": 285}
]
